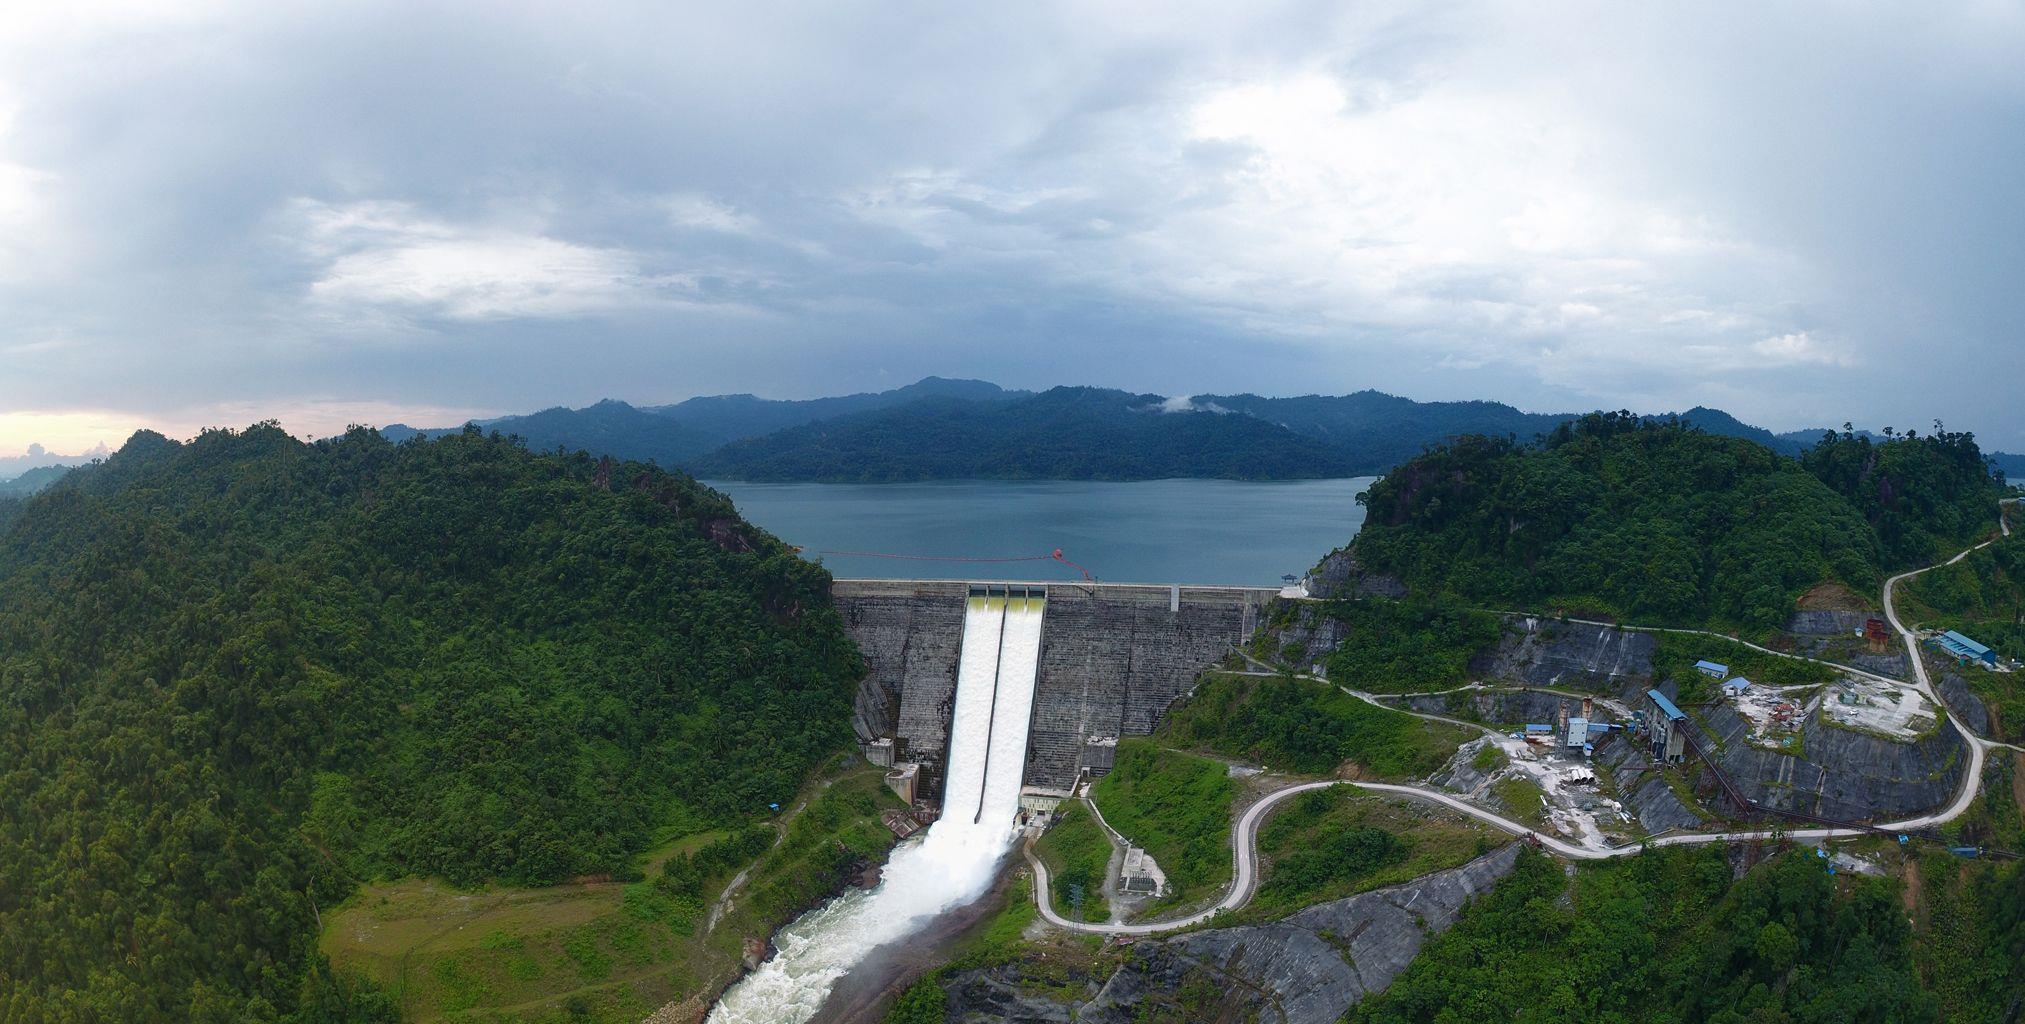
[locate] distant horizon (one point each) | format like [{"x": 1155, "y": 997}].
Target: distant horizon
[
  {"x": 20, "y": 452},
  {"x": 270, "y": 212}
]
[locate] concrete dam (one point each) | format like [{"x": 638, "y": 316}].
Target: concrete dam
[{"x": 1113, "y": 657}]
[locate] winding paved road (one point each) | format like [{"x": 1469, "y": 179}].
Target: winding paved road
[{"x": 1244, "y": 837}]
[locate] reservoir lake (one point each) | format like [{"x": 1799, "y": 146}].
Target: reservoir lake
[{"x": 1149, "y": 531}]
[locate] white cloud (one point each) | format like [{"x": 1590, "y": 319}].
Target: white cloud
[
  {"x": 700, "y": 211},
  {"x": 1802, "y": 348},
  {"x": 386, "y": 254}
]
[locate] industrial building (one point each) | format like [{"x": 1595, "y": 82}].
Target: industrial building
[
  {"x": 1736, "y": 687},
  {"x": 1961, "y": 648},
  {"x": 1666, "y": 727},
  {"x": 1712, "y": 669}
]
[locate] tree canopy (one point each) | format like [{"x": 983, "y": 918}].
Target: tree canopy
[
  {"x": 1661, "y": 522},
  {"x": 239, "y": 674}
]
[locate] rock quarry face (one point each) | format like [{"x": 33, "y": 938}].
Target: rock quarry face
[
  {"x": 1963, "y": 701},
  {"x": 1503, "y": 708},
  {"x": 1642, "y": 792},
  {"x": 1339, "y": 575},
  {"x": 1305, "y": 969},
  {"x": 1529, "y": 652},
  {"x": 1817, "y": 622},
  {"x": 1546, "y": 652},
  {"x": 1842, "y": 773}
]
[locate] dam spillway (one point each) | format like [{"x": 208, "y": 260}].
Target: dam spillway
[
  {"x": 1113, "y": 658},
  {"x": 996, "y": 662}
]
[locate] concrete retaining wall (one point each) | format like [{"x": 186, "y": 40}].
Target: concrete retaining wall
[
  {"x": 1113, "y": 658},
  {"x": 910, "y": 635}
]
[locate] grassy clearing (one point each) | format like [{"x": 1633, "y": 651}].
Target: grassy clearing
[
  {"x": 1078, "y": 856},
  {"x": 1327, "y": 844},
  {"x": 1523, "y": 797},
  {"x": 606, "y": 951},
  {"x": 1309, "y": 727},
  {"x": 1177, "y": 806}
]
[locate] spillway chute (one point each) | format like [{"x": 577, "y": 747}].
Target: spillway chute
[{"x": 955, "y": 860}]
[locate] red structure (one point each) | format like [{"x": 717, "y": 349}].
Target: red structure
[{"x": 1874, "y": 630}]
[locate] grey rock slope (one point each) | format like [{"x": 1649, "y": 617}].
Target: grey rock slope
[
  {"x": 1963, "y": 701},
  {"x": 1547, "y": 652},
  {"x": 1643, "y": 791},
  {"x": 1841, "y": 773},
  {"x": 1308, "y": 968}
]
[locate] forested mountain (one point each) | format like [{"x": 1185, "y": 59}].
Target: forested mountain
[
  {"x": 1923, "y": 496},
  {"x": 32, "y": 481},
  {"x": 736, "y": 417},
  {"x": 2009, "y": 464},
  {"x": 1722, "y": 424},
  {"x": 240, "y": 674},
  {"x": 1678, "y": 935},
  {"x": 1615, "y": 513},
  {"x": 608, "y": 428},
  {"x": 1060, "y": 434},
  {"x": 1376, "y": 431}
]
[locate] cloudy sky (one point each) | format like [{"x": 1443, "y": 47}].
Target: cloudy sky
[{"x": 212, "y": 213}]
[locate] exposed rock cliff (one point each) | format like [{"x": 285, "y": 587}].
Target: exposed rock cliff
[
  {"x": 1305, "y": 969},
  {"x": 1840, "y": 772},
  {"x": 1500, "y": 707},
  {"x": 1548, "y": 652},
  {"x": 1964, "y": 702},
  {"x": 1339, "y": 575},
  {"x": 1642, "y": 791}
]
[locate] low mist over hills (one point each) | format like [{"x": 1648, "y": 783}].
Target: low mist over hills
[{"x": 941, "y": 428}]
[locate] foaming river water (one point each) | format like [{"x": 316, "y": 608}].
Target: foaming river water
[{"x": 953, "y": 863}]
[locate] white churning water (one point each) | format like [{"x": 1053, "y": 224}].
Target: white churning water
[{"x": 955, "y": 860}]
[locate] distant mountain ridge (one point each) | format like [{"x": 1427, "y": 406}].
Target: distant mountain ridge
[
  {"x": 610, "y": 427},
  {"x": 1376, "y": 430},
  {"x": 737, "y": 417},
  {"x": 944, "y": 428},
  {"x": 1066, "y": 433}
]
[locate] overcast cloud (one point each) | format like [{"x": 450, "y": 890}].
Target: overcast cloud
[{"x": 212, "y": 213}]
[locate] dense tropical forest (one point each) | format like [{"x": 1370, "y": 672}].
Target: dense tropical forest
[
  {"x": 1661, "y": 522},
  {"x": 1061, "y": 434},
  {"x": 240, "y": 675},
  {"x": 1674, "y": 936}
]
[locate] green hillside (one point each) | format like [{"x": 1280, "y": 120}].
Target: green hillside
[
  {"x": 1661, "y": 522},
  {"x": 240, "y": 676}
]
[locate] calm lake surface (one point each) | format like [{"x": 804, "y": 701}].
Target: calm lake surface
[{"x": 1154, "y": 531}]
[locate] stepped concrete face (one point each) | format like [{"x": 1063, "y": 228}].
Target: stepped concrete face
[
  {"x": 1113, "y": 658},
  {"x": 911, "y": 635}
]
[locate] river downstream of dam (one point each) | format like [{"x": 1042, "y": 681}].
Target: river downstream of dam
[{"x": 954, "y": 861}]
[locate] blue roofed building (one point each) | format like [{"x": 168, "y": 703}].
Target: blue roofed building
[
  {"x": 1712, "y": 669},
  {"x": 1666, "y": 728},
  {"x": 1957, "y": 646}
]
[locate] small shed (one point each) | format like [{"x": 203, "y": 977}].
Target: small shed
[
  {"x": 1736, "y": 687},
  {"x": 1712, "y": 669}
]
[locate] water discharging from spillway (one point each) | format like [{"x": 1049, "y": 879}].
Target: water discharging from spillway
[{"x": 954, "y": 862}]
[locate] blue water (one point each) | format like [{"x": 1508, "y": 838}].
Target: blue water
[{"x": 1154, "y": 531}]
